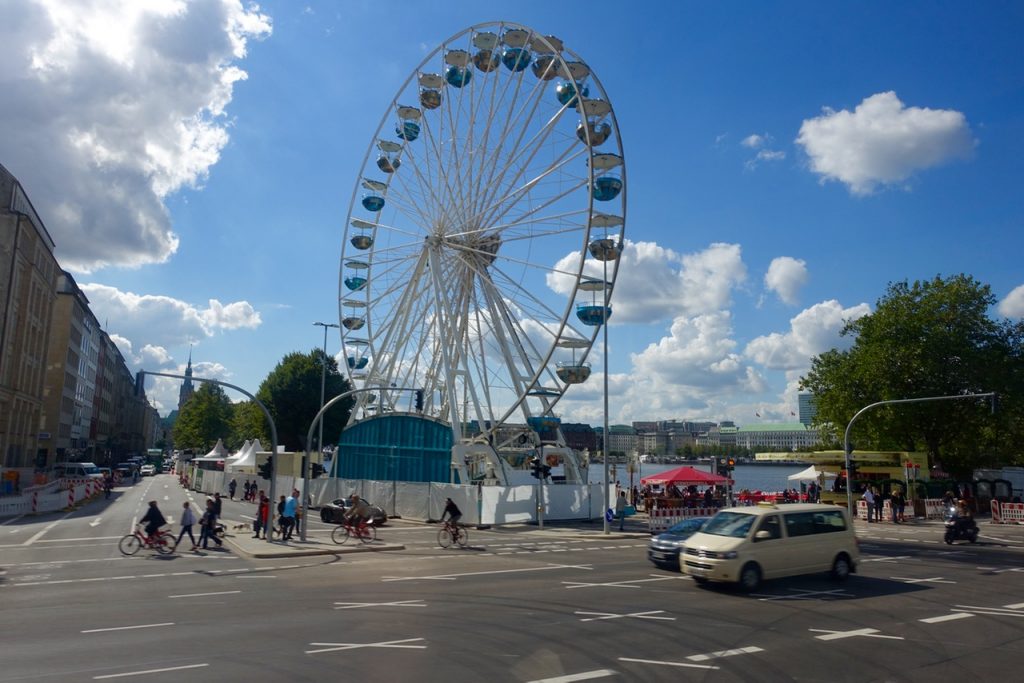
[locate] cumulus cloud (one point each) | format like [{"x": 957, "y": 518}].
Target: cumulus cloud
[
  {"x": 813, "y": 331},
  {"x": 655, "y": 283},
  {"x": 153, "y": 323},
  {"x": 785, "y": 277},
  {"x": 1013, "y": 305},
  {"x": 753, "y": 141},
  {"x": 117, "y": 104},
  {"x": 882, "y": 142}
]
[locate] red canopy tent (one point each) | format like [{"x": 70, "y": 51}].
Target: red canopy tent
[{"x": 686, "y": 475}]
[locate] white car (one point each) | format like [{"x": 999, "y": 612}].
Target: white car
[{"x": 147, "y": 470}]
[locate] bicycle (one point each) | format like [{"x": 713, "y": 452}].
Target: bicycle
[
  {"x": 162, "y": 542},
  {"x": 365, "y": 532},
  {"x": 452, "y": 533}
]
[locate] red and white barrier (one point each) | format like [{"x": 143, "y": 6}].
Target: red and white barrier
[
  {"x": 663, "y": 518},
  {"x": 1007, "y": 513}
]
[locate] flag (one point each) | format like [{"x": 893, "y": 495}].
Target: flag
[
  {"x": 757, "y": 414},
  {"x": 792, "y": 413}
]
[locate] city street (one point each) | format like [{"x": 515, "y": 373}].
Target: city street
[{"x": 517, "y": 605}]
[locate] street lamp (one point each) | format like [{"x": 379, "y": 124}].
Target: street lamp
[{"x": 323, "y": 381}]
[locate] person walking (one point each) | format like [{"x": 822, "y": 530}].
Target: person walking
[
  {"x": 262, "y": 515},
  {"x": 898, "y": 503},
  {"x": 280, "y": 515},
  {"x": 869, "y": 500},
  {"x": 231, "y": 488},
  {"x": 188, "y": 518},
  {"x": 620, "y": 510},
  {"x": 208, "y": 526},
  {"x": 879, "y": 503},
  {"x": 291, "y": 505},
  {"x": 217, "y": 504}
]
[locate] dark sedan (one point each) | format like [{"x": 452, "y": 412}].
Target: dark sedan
[
  {"x": 332, "y": 512},
  {"x": 664, "y": 548}
]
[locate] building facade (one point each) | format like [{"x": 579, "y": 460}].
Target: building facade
[
  {"x": 28, "y": 272},
  {"x": 808, "y": 407}
]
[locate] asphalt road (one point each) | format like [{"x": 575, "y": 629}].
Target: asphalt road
[{"x": 518, "y": 605}]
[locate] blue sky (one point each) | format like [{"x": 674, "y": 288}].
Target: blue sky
[{"x": 194, "y": 162}]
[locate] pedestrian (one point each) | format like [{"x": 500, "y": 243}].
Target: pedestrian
[
  {"x": 898, "y": 503},
  {"x": 869, "y": 501},
  {"x": 879, "y": 503},
  {"x": 208, "y": 526},
  {"x": 231, "y": 488},
  {"x": 291, "y": 505},
  {"x": 188, "y": 518},
  {"x": 217, "y": 504},
  {"x": 246, "y": 491},
  {"x": 620, "y": 509},
  {"x": 262, "y": 513},
  {"x": 280, "y": 515},
  {"x": 154, "y": 519}
]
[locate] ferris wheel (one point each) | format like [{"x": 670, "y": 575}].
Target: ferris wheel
[{"x": 483, "y": 241}]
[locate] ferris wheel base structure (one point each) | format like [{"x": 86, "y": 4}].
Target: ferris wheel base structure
[{"x": 419, "y": 448}]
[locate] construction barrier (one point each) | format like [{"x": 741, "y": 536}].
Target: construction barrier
[
  {"x": 663, "y": 518},
  {"x": 1007, "y": 513}
]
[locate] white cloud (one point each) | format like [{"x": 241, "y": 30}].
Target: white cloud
[
  {"x": 163, "y": 391},
  {"x": 785, "y": 277},
  {"x": 655, "y": 283},
  {"x": 811, "y": 332},
  {"x": 154, "y": 323},
  {"x": 753, "y": 141},
  {"x": 882, "y": 142},
  {"x": 117, "y": 104},
  {"x": 1013, "y": 305}
]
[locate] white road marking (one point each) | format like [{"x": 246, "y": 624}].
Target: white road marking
[
  {"x": 947, "y": 617},
  {"x": 725, "y": 653},
  {"x": 96, "y": 522},
  {"x": 1017, "y": 605},
  {"x": 150, "y": 671},
  {"x": 46, "y": 528},
  {"x": 934, "y": 579},
  {"x": 203, "y": 595},
  {"x": 623, "y": 584},
  {"x": 127, "y": 628},
  {"x": 802, "y": 594},
  {"x": 583, "y": 676},
  {"x": 990, "y": 611},
  {"x": 600, "y": 616},
  {"x": 398, "y": 603},
  {"x": 398, "y": 644},
  {"x": 686, "y": 665},
  {"x": 452, "y": 577},
  {"x": 886, "y": 559},
  {"x": 866, "y": 632}
]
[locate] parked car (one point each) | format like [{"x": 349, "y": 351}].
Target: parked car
[
  {"x": 332, "y": 512},
  {"x": 664, "y": 548},
  {"x": 147, "y": 470}
]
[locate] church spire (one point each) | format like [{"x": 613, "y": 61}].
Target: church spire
[{"x": 186, "y": 391}]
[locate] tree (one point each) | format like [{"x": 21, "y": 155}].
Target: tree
[
  {"x": 204, "y": 418},
  {"x": 932, "y": 338},
  {"x": 247, "y": 423},
  {"x": 291, "y": 393}
]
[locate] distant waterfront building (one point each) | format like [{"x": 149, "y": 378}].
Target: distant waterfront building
[
  {"x": 808, "y": 407},
  {"x": 579, "y": 436},
  {"x": 777, "y": 436}
]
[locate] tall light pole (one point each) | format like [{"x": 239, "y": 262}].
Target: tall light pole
[
  {"x": 604, "y": 441},
  {"x": 323, "y": 381}
]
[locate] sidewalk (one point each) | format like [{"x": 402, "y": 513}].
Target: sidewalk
[{"x": 316, "y": 543}]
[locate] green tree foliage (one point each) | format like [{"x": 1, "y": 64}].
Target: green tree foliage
[
  {"x": 931, "y": 338},
  {"x": 247, "y": 423},
  {"x": 292, "y": 395},
  {"x": 204, "y": 418}
]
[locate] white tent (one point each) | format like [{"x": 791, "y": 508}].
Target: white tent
[
  {"x": 218, "y": 451},
  {"x": 811, "y": 474},
  {"x": 246, "y": 461},
  {"x": 240, "y": 453}
]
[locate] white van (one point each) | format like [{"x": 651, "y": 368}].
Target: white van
[
  {"x": 77, "y": 470},
  {"x": 744, "y": 545}
]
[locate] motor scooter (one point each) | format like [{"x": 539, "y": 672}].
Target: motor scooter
[{"x": 959, "y": 528}]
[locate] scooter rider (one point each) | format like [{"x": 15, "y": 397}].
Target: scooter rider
[{"x": 964, "y": 519}]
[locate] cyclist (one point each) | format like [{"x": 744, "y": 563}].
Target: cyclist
[
  {"x": 359, "y": 512},
  {"x": 453, "y": 512},
  {"x": 153, "y": 519}
]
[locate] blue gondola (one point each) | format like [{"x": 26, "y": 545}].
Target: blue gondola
[
  {"x": 355, "y": 283},
  {"x": 373, "y": 202},
  {"x": 458, "y": 76},
  {"x": 516, "y": 58},
  {"x": 358, "y": 363},
  {"x": 361, "y": 241},
  {"x": 593, "y": 315},
  {"x": 573, "y": 373},
  {"x": 566, "y": 92},
  {"x": 543, "y": 423},
  {"x": 353, "y": 323},
  {"x": 407, "y": 130},
  {"x": 607, "y": 188}
]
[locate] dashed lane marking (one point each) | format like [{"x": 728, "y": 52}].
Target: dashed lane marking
[
  {"x": 946, "y": 617},
  {"x": 127, "y": 628},
  {"x": 149, "y": 671},
  {"x": 685, "y": 665},
  {"x": 725, "y": 653},
  {"x": 203, "y": 595},
  {"x": 582, "y": 676}
]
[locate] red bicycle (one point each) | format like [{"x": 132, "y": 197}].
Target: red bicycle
[
  {"x": 162, "y": 542},
  {"x": 366, "y": 533},
  {"x": 452, "y": 533}
]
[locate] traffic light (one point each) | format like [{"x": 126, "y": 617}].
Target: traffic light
[
  {"x": 545, "y": 471},
  {"x": 318, "y": 470},
  {"x": 419, "y": 400},
  {"x": 730, "y": 464},
  {"x": 267, "y": 468},
  {"x": 536, "y": 468}
]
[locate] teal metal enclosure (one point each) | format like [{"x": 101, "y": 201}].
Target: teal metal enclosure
[{"x": 396, "y": 447}]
